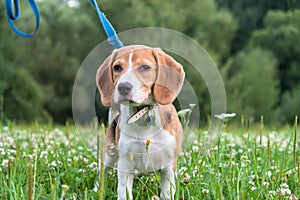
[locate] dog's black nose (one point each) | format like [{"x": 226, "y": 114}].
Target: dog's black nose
[{"x": 124, "y": 88}]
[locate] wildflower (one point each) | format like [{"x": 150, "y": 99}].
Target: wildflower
[
  {"x": 251, "y": 183},
  {"x": 65, "y": 187},
  {"x": 185, "y": 180},
  {"x": 225, "y": 116},
  {"x": 147, "y": 144},
  {"x": 5, "y": 128},
  {"x": 283, "y": 190},
  {"x": 69, "y": 161},
  {"x": 253, "y": 188},
  {"x": 53, "y": 164},
  {"x": 5, "y": 163},
  {"x": 205, "y": 191},
  {"x": 272, "y": 193},
  {"x": 182, "y": 170},
  {"x": 284, "y": 185},
  {"x": 269, "y": 174},
  {"x": 195, "y": 149},
  {"x": 155, "y": 198},
  {"x": 131, "y": 156},
  {"x": 2, "y": 152},
  {"x": 85, "y": 160},
  {"x": 258, "y": 159},
  {"x": 80, "y": 148},
  {"x": 293, "y": 197},
  {"x": 43, "y": 154},
  {"x": 10, "y": 141},
  {"x": 75, "y": 158},
  {"x": 183, "y": 112},
  {"x": 266, "y": 184}
]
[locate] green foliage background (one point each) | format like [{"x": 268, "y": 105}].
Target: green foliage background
[{"x": 255, "y": 44}]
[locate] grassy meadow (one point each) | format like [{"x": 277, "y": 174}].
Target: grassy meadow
[{"x": 53, "y": 162}]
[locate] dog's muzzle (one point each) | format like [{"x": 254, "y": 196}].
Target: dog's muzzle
[{"x": 125, "y": 88}]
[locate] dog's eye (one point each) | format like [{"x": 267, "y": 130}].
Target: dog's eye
[
  {"x": 144, "y": 68},
  {"x": 117, "y": 68}
]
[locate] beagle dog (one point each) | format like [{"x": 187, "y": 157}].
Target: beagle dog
[{"x": 140, "y": 83}]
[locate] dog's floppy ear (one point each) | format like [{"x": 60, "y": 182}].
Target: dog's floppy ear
[
  {"x": 170, "y": 77},
  {"x": 104, "y": 79}
]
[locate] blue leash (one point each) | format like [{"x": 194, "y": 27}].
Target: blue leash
[
  {"x": 14, "y": 15},
  {"x": 11, "y": 16},
  {"x": 108, "y": 28}
]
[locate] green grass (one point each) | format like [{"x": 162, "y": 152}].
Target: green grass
[{"x": 240, "y": 165}]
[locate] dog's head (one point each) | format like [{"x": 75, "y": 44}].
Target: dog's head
[{"x": 132, "y": 74}]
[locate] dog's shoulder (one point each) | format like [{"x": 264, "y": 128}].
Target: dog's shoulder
[
  {"x": 112, "y": 134},
  {"x": 169, "y": 118}
]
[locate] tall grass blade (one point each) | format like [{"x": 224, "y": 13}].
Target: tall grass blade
[
  {"x": 295, "y": 142},
  {"x": 100, "y": 152},
  {"x": 261, "y": 130},
  {"x": 30, "y": 182}
]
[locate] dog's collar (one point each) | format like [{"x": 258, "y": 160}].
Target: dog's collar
[{"x": 150, "y": 119}]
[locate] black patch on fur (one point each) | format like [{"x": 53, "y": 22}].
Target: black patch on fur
[
  {"x": 112, "y": 128},
  {"x": 168, "y": 117}
]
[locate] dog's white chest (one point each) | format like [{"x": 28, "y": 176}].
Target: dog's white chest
[{"x": 145, "y": 149}]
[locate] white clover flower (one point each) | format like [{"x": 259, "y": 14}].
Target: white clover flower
[
  {"x": 53, "y": 164},
  {"x": 155, "y": 197},
  {"x": 258, "y": 159},
  {"x": 284, "y": 185},
  {"x": 44, "y": 154},
  {"x": 65, "y": 187},
  {"x": 75, "y": 158},
  {"x": 30, "y": 156},
  {"x": 266, "y": 184},
  {"x": 269, "y": 174},
  {"x": 93, "y": 165},
  {"x": 253, "y": 188},
  {"x": 5, "y": 128},
  {"x": 284, "y": 190},
  {"x": 205, "y": 191},
  {"x": 80, "y": 148},
  {"x": 5, "y": 163},
  {"x": 195, "y": 149},
  {"x": 2, "y": 152},
  {"x": 85, "y": 160},
  {"x": 272, "y": 193},
  {"x": 182, "y": 170},
  {"x": 10, "y": 141},
  {"x": 251, "y": 183}
]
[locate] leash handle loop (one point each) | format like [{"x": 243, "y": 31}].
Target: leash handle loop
[
  {"x": 108, "y": 28},
  {"x": 11, "y": 16}
]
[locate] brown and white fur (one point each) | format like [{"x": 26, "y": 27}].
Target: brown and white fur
[{"x": 131, "y": 77}]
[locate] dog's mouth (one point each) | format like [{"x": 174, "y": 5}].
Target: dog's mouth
[{"x": 128, "y": 101}]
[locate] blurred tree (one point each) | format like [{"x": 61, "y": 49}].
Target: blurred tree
[
  {"x": 251, "y": 83},
  {"x": 21, "y": 95},
  {"x": 250, "y": 14},
  {"x": 290, "y": 105},
  {"x": 281, "y": 35},
  {"x": 212, "y": 27},
  {"x": 64, "y": 39}
]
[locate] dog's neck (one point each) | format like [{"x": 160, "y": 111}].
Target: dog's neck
[{"x": 143, "y": 114}]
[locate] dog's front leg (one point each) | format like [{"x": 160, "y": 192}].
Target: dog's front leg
[
  {"x": 167, "y": 183},
  {"x": 125, "y": 181}
]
